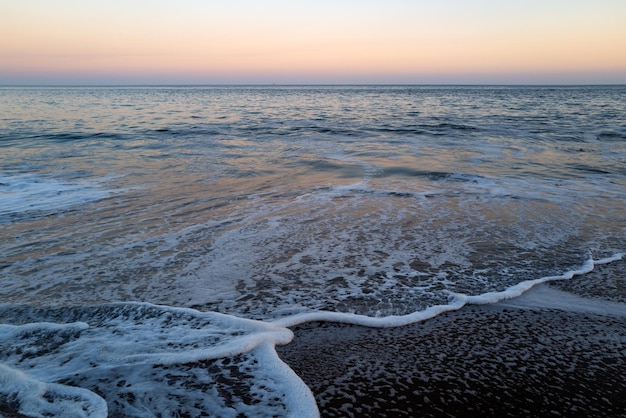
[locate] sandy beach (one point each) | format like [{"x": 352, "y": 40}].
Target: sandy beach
[{"x": 516, "y": 358}]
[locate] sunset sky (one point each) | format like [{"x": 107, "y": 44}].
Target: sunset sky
[{"x": 312, "y": 41}]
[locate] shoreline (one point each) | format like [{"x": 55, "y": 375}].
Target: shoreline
[
  {"x": 548, "y": 352},
  {"x": 514, "y": 358}
]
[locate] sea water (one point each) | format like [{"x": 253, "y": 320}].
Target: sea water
[{"x": 156, "y": 242}]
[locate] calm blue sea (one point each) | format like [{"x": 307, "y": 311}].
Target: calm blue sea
[{"x": 145, "y": 228}]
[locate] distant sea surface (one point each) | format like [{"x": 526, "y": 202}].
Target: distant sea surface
[{"x": 146, "y": 228}]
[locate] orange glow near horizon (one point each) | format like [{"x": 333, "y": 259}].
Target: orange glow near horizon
[{"x": 310, "y": 41}]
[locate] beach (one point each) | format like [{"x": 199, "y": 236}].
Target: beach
[
  {"x": 159, "y": 242},
  {"x": 511, "y": 359},
  {"x": 516, "y": 359}
]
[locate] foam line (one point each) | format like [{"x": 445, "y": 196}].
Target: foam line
[
  {"x": 607, "y": 260},
  {"x": 544, "y": 297},
  {"x": 143, "y": 335},
  {"x": 458, "y": 301},
  {"x": 140, "y": 336},
  {"x": 239, "y": 346},
  {"x": 9, "y": 332},
  {"x": 27, "y": 192},
  {"x": 522, "y": 287},
  {"x": 300, "y": 401},
  {"x": 368, "y": 321},
  {"x": 35, "y": 398}
]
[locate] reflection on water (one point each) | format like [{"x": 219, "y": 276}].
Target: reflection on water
[{"x": 252, "y": 199}]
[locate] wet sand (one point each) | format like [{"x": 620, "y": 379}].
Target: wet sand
[
  {"x": 516, "y": 359},
  {"x": 546, "y": 353}
]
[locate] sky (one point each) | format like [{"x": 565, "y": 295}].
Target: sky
[{"x": 312, "y": 42}]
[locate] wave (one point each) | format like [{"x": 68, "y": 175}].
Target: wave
[
  {"x": 139, "y": 359},
  {"x": 30, "y": 139},
  {"x": 23, "y": 194},
  {"x": 123, "y": 345},
  {"x": 32, "y": 397},
  {"x": 458, "y": 300},
  {"x": 611, "y": 136}
]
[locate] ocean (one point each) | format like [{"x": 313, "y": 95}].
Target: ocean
[{"x": 158, "y": 243}]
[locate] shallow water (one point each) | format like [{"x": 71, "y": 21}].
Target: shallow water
[{"x": 266, "y": 202}]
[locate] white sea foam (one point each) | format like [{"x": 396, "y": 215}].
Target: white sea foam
[
  {"x": 360, "y": 241},
  {"x": 23, "y": 193},
  {"x": 458, "y": 300},
  {"x": 116, "y": 349},
  {"x": 35, "y": 398},
  {"x": 380, "y": 208},
  {"x": 522, "y": 287},
  {"x": 120, "y": 346}
]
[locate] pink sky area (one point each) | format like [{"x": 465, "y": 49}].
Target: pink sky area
[{"x": 322, "y": 41}]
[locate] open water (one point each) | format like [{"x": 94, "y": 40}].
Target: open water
[{"x": 156, "y": 242}]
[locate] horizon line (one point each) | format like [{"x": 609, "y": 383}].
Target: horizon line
[{"x": 317, "y": 85}]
